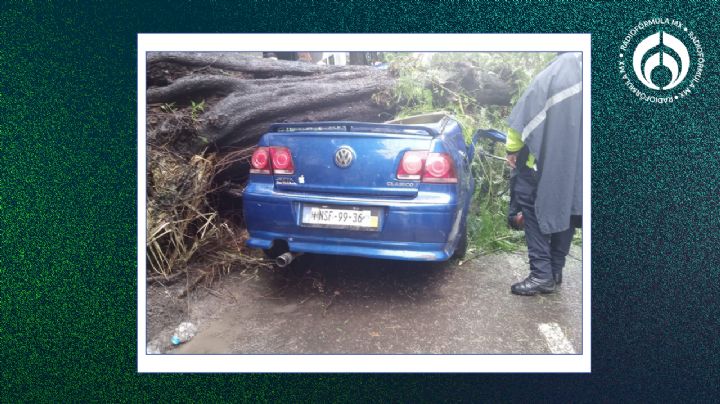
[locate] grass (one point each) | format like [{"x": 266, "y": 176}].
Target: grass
[
  {"x": 577, "y": 238},
  {"x": 196, "y": 108},
  {"x": 488, "y": 230}
]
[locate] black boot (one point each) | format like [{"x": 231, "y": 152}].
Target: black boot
[
  {"x": 532, "y": 286},
  {"x": 557, "y": 276}
]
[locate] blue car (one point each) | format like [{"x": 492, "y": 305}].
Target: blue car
[{"x": 399, "y": 190}]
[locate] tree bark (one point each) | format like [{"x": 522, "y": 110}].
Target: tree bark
[
  {"x": 229, "y": 120},
  {"x": 244, "y": 95},
  {"x": 247, "y": 94},
  {"x": 238, "y": 63}
]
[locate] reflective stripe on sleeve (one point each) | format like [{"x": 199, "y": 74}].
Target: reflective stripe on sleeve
[{"x": 540, "y": 117}]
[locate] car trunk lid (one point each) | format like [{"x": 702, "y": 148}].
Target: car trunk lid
[{"x": 349, "y": 159}]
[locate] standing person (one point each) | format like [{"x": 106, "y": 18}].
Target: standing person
[{"x": 545, "y": 148}]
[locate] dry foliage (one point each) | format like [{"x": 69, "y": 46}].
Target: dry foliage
[{"x": 183, "y": 228}]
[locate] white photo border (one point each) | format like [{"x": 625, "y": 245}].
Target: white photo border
[{"x": 377, "y": 363}]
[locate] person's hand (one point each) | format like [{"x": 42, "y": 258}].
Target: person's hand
[{"x": 511, "y": 159}]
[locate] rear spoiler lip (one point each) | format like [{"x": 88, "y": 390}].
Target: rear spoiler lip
[{"x": 347, "y": 126}]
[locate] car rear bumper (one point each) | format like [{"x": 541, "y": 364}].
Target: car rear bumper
[
  {"x": 361, "y": 248},
  {"x": 423, "y": 228}
]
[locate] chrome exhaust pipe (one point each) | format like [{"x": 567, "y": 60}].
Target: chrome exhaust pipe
[{"x": 285, "y": 259}]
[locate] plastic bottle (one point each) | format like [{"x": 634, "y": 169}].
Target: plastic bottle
[{"x": 183, "y": 333}]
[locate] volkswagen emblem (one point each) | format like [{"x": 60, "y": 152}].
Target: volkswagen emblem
[{"x": 344, "y": 157}]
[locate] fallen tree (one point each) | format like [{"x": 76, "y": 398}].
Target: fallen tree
[
  {"x": 205, "y": 112},
  {"x": 245, "y": 94}
]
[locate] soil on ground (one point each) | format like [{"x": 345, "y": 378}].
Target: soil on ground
[{"x": 332, "y": 305}]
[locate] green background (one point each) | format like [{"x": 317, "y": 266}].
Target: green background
[{"x": 68, "y": 204}]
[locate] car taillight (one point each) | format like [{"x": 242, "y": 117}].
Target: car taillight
[
  {"x": 411, "y": 165},
  {"x": 261, "y": 161},
  {"x": 266, "y": 160},
  {"x": 439, "y": 168},
  {"x": 282, "y": 162}
]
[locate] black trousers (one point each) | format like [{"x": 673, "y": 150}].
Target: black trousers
[{"x": 547, "y": 252}]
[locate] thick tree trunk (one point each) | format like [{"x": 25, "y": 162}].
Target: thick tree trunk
[
  {"x": 357, "y": 58},
  {"x": 487, "y": 88},
  {"x": 239, "y": 63},
  {"x": 230, "y": 119},
  {"x": 246, "y": 94},
  {"x": 243, "y": 95}
]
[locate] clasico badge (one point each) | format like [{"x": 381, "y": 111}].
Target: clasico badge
[{"x": 661, "y": 60}]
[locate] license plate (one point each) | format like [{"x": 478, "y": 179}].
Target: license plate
[{"x": 361, "y": 218}]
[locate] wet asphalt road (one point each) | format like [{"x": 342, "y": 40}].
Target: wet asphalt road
[{"x": 326, "y": 304}]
